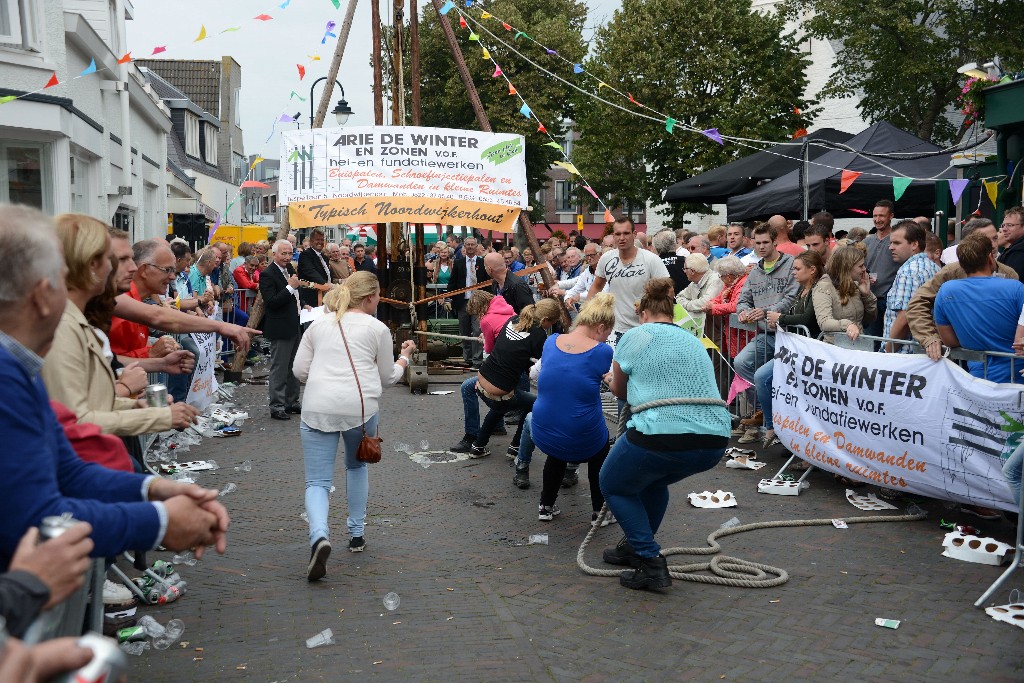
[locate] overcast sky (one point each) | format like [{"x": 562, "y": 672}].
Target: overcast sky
[{"x": 268, "y": 52}]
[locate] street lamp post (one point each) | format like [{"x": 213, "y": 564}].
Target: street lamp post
[{"x": 341, "y": 110}]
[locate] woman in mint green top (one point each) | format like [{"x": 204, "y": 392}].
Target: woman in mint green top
[{"x": 662, "y": 445}]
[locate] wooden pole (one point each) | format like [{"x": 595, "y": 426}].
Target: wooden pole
[
  {"x": 485, "y": 125},
  {"x": 378, "y": 119},
  {"x": 414, "y": 49},
  {"x": 397, "y": 105}
]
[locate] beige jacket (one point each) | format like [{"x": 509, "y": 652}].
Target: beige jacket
[
  {"x": 77, "y": 374},
  {"x": 833, "y": 316},
  {"x": 922, "y": 304}
]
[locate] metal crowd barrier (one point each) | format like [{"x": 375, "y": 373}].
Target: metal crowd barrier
[{"x": 68, "y": 617}]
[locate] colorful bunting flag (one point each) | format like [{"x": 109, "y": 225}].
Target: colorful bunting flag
[
  {"x": 714, "y": 135},
  {"x": 469, "y": 3},
  {"x": 302, "y": 71},
  {"x": 314, "y": 58},
  {"x": 295, "y": 94},
  {"x": 709, "y": 345},
  {"x": 899, "y": 186},
  {"x": 956, "y": 189},
  {"x": 158, "y": 49},
  {"x": 462, "y": 22},
  {"x": 520, "y": 33},
  {"x": 799, "y": 133},
  {"x": 553, "y": 144},
  {"x": 91, "y": 69},
  {"x": 593, "y": 194},
  {"x": 254, "y": 183},
  {"x": 256, "y": 161},
  {"x": 992, "y": 188},
  {"x": 447, "y": 7},
  {"x": 551, "y": 52},
  {"x": 485, "y": 15},
  {"x": 670, "y": 123},
  {"x": 8, "y": 98},
  {"x": 847, "y": 180},
  {"x": 507, "y": 27},
  {"x": 525, "y": 110},
  {"x": 486, "y": 54},
  {"x": 263, "y": 17},
  {"x": 473, "y": 36},
  {"x": 230, "y": 30},
  {"x": 512, "y": 90},
  {"x": 608, "y": 217},
  {"x": 541, "y": 128},
  {"x": 127, "y": 58},
  {"x": 336, "y": 3},
  {"x": 577, "y": 68},
  {"x": 602, "y": 84},
  {"x": 202, "y": 34},
  {"x": 631, "y": 99},
  {"x": 286, "y": 119},
  {"x": 862, "y": 212},
  {"x": 52, "y": 82},
  {"x": 567, "y": 166},
  {"x": 284, "y": 5},
  {"x": 497, "y": 71},
  {"x": 216, "y": 225}
]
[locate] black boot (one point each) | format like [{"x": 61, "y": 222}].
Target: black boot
[
  {"x": 652, "y": 573},
  {"x": 622, "y": 554}
]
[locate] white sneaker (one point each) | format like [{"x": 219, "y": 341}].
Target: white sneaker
[
  {"x": 116, "y": 594},
  {"x": 608, "y": 519}
]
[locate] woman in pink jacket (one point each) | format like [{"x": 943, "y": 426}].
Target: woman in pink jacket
[{"x": 493, "y": 312}]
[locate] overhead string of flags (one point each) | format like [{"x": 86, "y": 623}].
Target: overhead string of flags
[{"x": 475, "y": 25}]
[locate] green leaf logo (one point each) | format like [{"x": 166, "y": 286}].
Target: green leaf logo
[{"x": 503, "y": 151}]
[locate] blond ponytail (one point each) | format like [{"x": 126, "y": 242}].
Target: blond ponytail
[
  {"x": 545, "y": 309},
  {"x": 351, "y": 293}
]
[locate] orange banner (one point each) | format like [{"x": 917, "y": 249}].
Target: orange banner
[{"x": 478, "y": 215}]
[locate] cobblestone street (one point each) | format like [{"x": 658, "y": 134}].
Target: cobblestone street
[{"x": 480, "y": 604}]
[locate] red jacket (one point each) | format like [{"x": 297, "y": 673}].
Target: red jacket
[
  {"x": 128, "y": 338},
  {"x": 723, "y": 306},
  {"x": 90, "y": 443}
]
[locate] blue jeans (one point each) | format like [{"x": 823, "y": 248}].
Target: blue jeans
[
  {"x": 526, "y": 445},
  {"x": 1012, "y": 471},
  {"x": 635, "y": 481},
  {"x": 763, "y": 384},
  {"x": 470, "y": 406},
  {"x": 755, "y": 354},
  {"x": 320, "y": 450},
  {"x": 523, "y": 401}
]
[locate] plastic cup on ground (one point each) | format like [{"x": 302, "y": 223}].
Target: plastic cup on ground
[
  {"x": 391, "y": 601},
  {"x": 325, "y": 637}
]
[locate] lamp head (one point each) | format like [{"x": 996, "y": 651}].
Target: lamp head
[{"x": 342, "y": 111}]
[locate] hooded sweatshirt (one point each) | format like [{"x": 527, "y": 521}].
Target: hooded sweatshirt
[
  {"x": 491, "y": 322},
  {"x": 774, "y": 291}
]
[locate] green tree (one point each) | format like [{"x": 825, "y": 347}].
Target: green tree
[
  {"x": 707, "y": 65},
  {"x": 555, "y": 23},
  {"x": 901, "y": 56}
]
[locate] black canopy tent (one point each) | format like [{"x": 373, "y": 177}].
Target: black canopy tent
[
  {"x": 784, "y": 194},
  {"x": 744, "y": 174}
]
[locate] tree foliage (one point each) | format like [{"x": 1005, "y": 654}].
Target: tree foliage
[
  {"x": 707, "y": 65},
  {"x": 445, "y": 103},
  {"x": 900, "y": 57}
]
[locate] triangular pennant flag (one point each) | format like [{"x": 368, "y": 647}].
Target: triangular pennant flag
[
  {"x": 551, "y": 52},
  {"x": 202, "y": 34},
  {"x": 52, "y": 82},
  {"x": 91, "y": 69},
  {"x": 336, "y": 3},
  {"x": 709, "y": 345},
  {"x": 158, "y": 49},
  {"x": 525, "y": 110},
  {"x": 473, "y": 36},
  {"x": 670, "y": 123},
  {"x": 956, "y": 189},
  {"x": 589, "y": 189},
  {"x": 127, "y": 58},
  {"x": 899, "y": 186},
  {"x": 447, "y": 7},
  {"x": 497, "y": 71},
  {"x": 253, "y": 183},
  {"x": 216, "y": 225},
  {"x": 284, "y": 5},
  {"x": 314, "y": 58},
  {"x": 255, "y": 161},
  {"x": 799, "y": 133},
  {"x": 507, "y": 27},
  {"x": 295, "y": 94},
  {"x": 862, "y": 212},
  {"x": 286, "y": 119},
  {"x": 714, "y": 135},
  {"x": 229, "y": 30},
  {"x": 302, "y": 71},
  {"x": 577, "y": 68},
  {"x": 469, "y": 3},
  {"x": 486, "y": 54},
  {"x": 632, "y": 100},
  {"x": 512, "y": 90},
  {"x": 608, "y": 217},
  {"x": 602, "y": 84},
  {"x": 8, "y": 98},
  {"x": 553, "y": 144},
  {"x": 485, "y": 15},
  {"x": 263, "y": 17},
  {"x": 992, "y": 188},
  {"x": 462, "y": 22},
  {"x": 521, "y": 33},
  {"x": 847, "y": 180},
  {"x": 541, "y": 129},
  {"x": 567, "y": 166}
]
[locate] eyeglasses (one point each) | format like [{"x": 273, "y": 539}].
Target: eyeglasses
[
  {"x": 1011, "y": 225},
  {"x": 166, "y": 270}
]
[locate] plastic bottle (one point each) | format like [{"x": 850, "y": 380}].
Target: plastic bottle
[
  {"x": 230, "y": 487},
  {"x": 172, "y": 633},
  {"x": 246, "y": 466}
]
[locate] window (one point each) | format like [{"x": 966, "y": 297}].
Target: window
[
  {"x": 236, "y": 104},
  {"x": 564, "y": 199},
  {"x": 192, "y": 135},
  {"x": 81, "y": 190},
  {"x": 20, "y": 24},
  {"x": 239, "y": 168},
  {"x": 25, "y": 174},
  {"x": 115, "y": 34},
  {"x": 210, "y": 147}
]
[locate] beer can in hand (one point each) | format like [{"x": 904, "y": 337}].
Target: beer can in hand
[
  {"x": 156, "y": 396},
  {"x": 108, "y": 662},
  {"x": 55, "y": 525}
]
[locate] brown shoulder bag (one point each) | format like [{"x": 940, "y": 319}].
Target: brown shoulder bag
[{"x": 369, "y": 446}]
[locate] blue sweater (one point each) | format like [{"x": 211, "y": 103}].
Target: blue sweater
[
  {"x": 567, "y": 420},
  {"x": 40, "y": 475}
]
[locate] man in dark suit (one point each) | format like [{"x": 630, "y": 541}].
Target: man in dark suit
[
  {"x": 462, "y": 277},
  {"x": 279, "y": 286},
  {"x": 313, "y": 267}
]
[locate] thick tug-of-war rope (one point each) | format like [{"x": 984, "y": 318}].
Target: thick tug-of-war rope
[{"x": 725, "y": 570}]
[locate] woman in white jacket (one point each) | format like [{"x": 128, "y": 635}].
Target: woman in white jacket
[{"x": 332, "y": 411}]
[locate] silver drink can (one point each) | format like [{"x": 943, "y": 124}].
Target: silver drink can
[
  {"x": 55, "y": 525},
  {"x": 156, "y": 396},
  {"x": 108, "y": 662}
]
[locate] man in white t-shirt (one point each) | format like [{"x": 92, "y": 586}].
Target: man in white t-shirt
[
  {"x": 984, "y": 225},
  {"x": 626, "y": 270}
]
